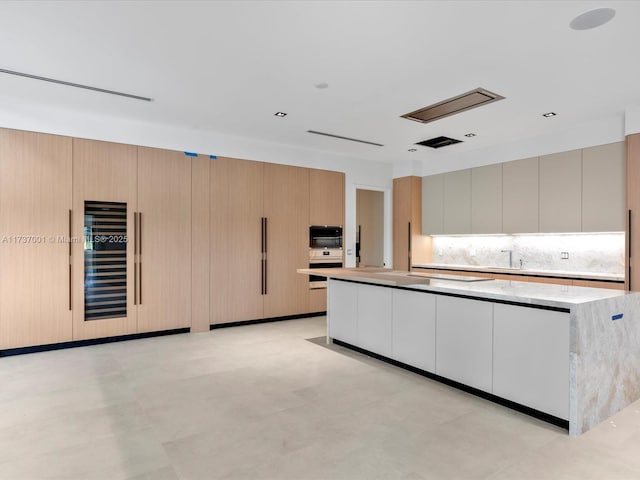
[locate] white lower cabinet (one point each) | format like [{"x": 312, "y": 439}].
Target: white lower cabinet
[
  {"x": 374, "y": 319},
  {"x": 531, "y": 358},
  {"x": 342, "y": 311},
  {"x": 414, "y": 329},
  {"x": 464, "y": 341}
]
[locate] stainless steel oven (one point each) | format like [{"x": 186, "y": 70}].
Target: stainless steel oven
[
  {"x": 323, "y": 258},
  {"x": 325, "y": 237}
]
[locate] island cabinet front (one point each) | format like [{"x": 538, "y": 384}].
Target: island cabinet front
[{"x": 519, "y": 353}]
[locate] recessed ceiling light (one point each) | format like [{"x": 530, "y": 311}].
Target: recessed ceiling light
[
  {"x": 592, "y": 18},
  {"x": 280, "y": 114},
  {"x": 549, "y": 114},
  {"x": 322, "y": 85},
  {"x": 412, "y": 150},
  {"x": 469, "y": 135}
]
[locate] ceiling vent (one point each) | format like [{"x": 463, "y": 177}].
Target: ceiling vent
[
  {"x": 451, "y": 106},
  {"x": 340, "y": 137},
  {"x": 439, "y": 142}
]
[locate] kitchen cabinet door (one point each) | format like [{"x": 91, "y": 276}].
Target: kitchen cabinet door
[
  {"x": 414, "y": 329},
  {"x": 520, "y": 196},
  {"x": 326, "y": 197},
  {"x": 464, "y": 341},
  {"x": 486, "y": 199},
  {"x": 104, "y": 203},
  {"x": 164, "y": 268},
  {"x": 531, "y": 358},
  {"x": 236, "y": 258},
  {"x": 409, "y": 245},
  {"x": 35, "y": 201},
  {"x": 603, "y": 188},
  {"x": 374, "y": 319},
  {"x": 342, "y": 312},
  {"x": 200, "y": 243},
  {"x": 457, "y": 202},
  {"x": 433, "y": 204},
  {"x": 286, "y": 209},
  {"x": 561, "y": 192}
]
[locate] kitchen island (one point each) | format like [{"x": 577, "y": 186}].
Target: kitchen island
[{"x": 568, "y": 353}]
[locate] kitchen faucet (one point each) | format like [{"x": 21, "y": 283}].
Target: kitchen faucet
[{"x": 510, "y": 257}]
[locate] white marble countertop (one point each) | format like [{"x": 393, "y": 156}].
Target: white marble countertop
[
  {"x": 560, "y": 296},
  {"x": 517, "y": 271}
]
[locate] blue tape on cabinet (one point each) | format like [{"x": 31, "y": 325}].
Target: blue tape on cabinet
[
  {"x": 191, "y": 154},
  {"x": 616, "y": 317}
]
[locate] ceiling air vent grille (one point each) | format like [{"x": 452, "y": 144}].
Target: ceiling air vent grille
[
  {"x": 439, "y": 142},
  {"x": 451, "y": 106}
]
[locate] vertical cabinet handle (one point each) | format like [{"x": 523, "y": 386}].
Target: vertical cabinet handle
[
  {"x": 69, "y": 241},
  {"x": 135, "y": 258},
  {"x": 630, "y": 240},
  {"x": 139, "y": 258},
  {"x": 409, "y": 246},
  {"x": 266, "y": 251}
]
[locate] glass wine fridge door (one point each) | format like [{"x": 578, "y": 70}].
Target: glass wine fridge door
[{"x": 105, "y": 260}]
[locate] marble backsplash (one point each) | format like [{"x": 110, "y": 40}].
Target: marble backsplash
[{"x": 587, "y": 252}]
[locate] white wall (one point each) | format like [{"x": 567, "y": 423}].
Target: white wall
[{"x": 358, "y": 172}]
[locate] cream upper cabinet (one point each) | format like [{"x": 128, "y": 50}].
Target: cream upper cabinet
[
  {"x": 432, "y": 204},
  {"x": 486, "y": 199},
  {"x": 603, "y": 188},
  {"x": 561, "y": 192},
  {"x": 457, "y": 202},
  {"x": 520, "y": 196}
]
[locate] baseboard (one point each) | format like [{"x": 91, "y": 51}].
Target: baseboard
[{"x": 265, "y": 320}]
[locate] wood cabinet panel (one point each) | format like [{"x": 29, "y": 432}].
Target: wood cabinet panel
[
  {"x": 520, "y": 196},
  {"x": 35, "y": 199},
  {"x": 632, "y": 248},
  {"x": 433, "y": 204},
  {"x": 164, "y": 203},
  {"x": 409, "y": 245},
  {"x": 596, "y": 284},
  {"x": 103, "y": 171},
  {"x": 603, "y": 188},
  {"x": 486, "y": 199},
  {"x": 317, "y": 300},
  {"x": 457, "y": 202},
  {"x": 200, "y": 241},
  {"x": 236, "y": 213},
  {"x": 326, "y": 197},
  {"x": 286, "y": 208},
  {"x": 561, "y": 192}
]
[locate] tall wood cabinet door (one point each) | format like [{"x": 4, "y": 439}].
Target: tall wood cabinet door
[
  {"x": 236, "y": 225},
  {"x": 561, "y": 192},
  {"x": 603, "y": 188},
  {"x": 401, "y": 222},
  {"x": 486, "y": 199},
  {"x": 520, "y": 196},
  {"x": 104, "y": 204},
  {"x": 164, "y": 226},
  {"x": 457, "y": 202},
  {"x": 286, "y": 208},
  {"x": 326, "y": 197},
  {"x": 35, "y": 200}
]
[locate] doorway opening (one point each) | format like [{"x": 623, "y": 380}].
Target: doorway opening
[{"x": 369, "y": 228}]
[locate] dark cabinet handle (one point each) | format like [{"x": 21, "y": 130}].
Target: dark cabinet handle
[
  {"x": 630, "y": 240},
  {"x": 135, "y": 258},
  {"x": 139, "y": 258},
  {"x": 409, "y": 246},
  {"x": 69, "y": 240}
]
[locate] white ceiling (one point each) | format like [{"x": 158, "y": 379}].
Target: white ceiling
[{"x": 228, "y": 66}]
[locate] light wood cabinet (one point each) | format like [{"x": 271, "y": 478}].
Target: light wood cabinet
[
  {"x": 236, "y": 233},
  {"x": 561, "y": 192},
  {"x": 35, "y": 200},
  {"x": 457, "y": 202},
  {"x": 520, "y": 196},
  {"x": 486, "y": 199},
  {"x": 409, "y": 245},
  {"x": 603, "y": 188},
  {"x": 286, "y": 209},
  {"x": 326, "y": 197},
  {"x": 432, "y": 204},
  {"x": 200, "y": 241},
  {"x": 164, "y": 203},
  {"x": 103, "y": 172}
]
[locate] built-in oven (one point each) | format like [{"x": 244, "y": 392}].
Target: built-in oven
[{"x": 325, "y": 251}]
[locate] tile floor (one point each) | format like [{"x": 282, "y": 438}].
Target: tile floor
[{"x": 266, "y": 402}]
